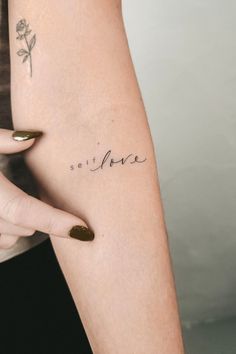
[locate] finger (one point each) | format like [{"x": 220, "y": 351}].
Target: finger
[
  {"x": 15, "y": 141},
  {"x": 23, "y": 210},
  {"x": 11, "y": 229},
  {"x": 7, "y": 241}
]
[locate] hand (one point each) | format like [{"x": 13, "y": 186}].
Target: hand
[{"x": 21, "y": 214}]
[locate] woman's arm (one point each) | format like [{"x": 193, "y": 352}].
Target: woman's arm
[{"x": 96, "y": 160}]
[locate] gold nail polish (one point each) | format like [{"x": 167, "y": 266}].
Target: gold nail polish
[
  {"x": 22, "y": 135},
  {"x": 81, "y": 233}
]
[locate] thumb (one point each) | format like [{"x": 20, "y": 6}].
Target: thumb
[{"x": 15, "y": 141}]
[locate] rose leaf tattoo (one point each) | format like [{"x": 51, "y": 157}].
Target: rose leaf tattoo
[{"x": 23, "y": 30}]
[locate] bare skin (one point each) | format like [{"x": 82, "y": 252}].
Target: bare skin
[{"x": 84, "y": 96}]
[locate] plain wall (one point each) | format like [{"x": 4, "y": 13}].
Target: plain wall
[{"x": 185, "y": 58}]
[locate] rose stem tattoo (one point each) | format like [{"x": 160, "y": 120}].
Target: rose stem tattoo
[{"x": 22, "y": 28}]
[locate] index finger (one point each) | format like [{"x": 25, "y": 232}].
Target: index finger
[{"x": 24, "y": 210}]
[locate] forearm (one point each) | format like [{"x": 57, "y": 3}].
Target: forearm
[{"x": 84, "y": 96}]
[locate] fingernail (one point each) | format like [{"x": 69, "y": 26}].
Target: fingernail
[
  {"x": 81, "y": 233},
  {"x": 21, "y": 135}
]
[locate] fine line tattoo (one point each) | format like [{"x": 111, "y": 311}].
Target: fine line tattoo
[
  {"x": 23, "y": 30},
  {"x": 107, "y": 160}
]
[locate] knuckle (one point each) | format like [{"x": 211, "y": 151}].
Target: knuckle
[
  {"x": 15, "y": 209},
  {"x": 50, "y": 226}
]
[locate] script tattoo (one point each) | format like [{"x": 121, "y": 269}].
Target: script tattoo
[
  {"x": 108, "y": 161},
  {"x": 23, "y": 30}
]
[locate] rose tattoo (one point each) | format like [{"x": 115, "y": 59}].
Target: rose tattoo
[{"x": 22, "y": 28}]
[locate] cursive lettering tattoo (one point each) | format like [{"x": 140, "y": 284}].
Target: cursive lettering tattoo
[
  {"x": 23, "y": 30},
  {"x": 108, "y": 161}
]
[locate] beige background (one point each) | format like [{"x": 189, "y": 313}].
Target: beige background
[{"x": 185, "y": 55}]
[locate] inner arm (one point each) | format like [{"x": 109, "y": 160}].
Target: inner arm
[{"x": 96, "y": 159}]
